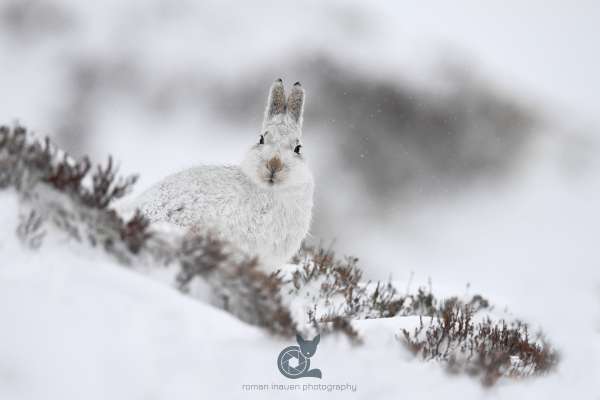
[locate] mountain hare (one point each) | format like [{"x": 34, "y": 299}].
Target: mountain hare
[{"x": 264, "y": 205}]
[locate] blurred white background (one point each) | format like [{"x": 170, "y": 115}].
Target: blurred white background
[{"x": 455, "y": 141}]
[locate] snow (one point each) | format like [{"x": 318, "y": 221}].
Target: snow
[
  {"x": 76, "y": 325},
  {"x": 79, "y": 328}
]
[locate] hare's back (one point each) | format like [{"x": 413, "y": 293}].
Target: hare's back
[{"x": 195, "y": 196}]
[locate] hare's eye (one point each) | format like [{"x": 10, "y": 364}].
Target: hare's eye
[
  {"x": 297, "y": 149},
  {"x": 262, "y": 139}
]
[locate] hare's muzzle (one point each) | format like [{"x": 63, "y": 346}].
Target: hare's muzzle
[{"x": 274, "y": 165}]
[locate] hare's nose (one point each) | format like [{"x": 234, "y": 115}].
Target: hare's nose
[{"x": 275, "y": 165}]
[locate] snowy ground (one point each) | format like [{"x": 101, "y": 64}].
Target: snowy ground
[{"x": 77, "y": 325}]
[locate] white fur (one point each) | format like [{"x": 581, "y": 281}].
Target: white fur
[{"x": 261, "y": 213}]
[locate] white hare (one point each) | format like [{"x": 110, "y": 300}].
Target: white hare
[{"x": 264, "y": 205}]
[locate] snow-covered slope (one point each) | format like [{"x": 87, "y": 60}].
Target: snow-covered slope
[{"x": 76, "y": 325}]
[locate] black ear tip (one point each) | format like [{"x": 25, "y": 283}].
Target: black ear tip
[
  {"x": 279, "y": 80},
  {"x": 297, "y": 84}
]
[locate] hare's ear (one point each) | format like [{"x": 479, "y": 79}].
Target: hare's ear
[
  {"x": 276, "y": 101},
  {"x": 295, "y": 103}
]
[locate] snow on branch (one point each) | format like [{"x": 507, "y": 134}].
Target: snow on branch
[
  {"x": 487, "y": 349},
  {"x": 456, "y": 335}
]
